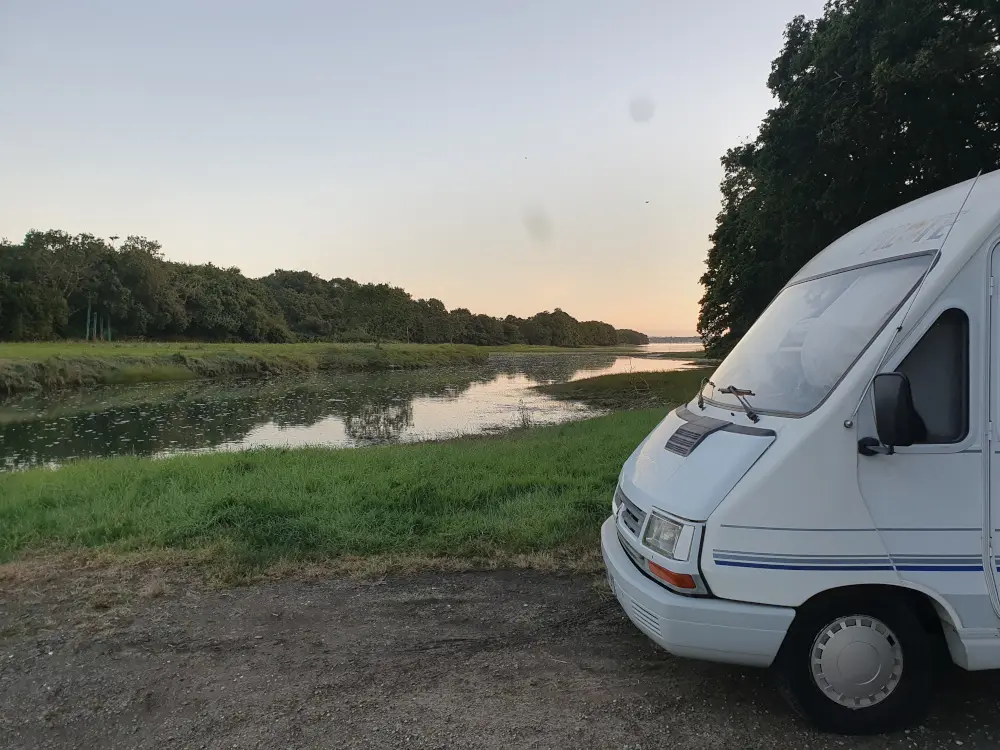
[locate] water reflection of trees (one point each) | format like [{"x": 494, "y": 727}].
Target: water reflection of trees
[
  {"x": 547, "y": 368},
  {"x": 379, "y": 424},
  {"x": 200, "y": 416},
  {"x": 152, "y": 419}
]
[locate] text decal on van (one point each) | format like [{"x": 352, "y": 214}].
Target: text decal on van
[{"x": 927, "y": 231}]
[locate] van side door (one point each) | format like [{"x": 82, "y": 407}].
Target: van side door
[{"x": 927, "y": 499}]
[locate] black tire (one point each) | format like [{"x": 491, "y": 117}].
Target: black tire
[{"x": 904, "y": 706}]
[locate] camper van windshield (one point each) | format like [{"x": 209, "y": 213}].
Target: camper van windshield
[{"x": 811, "y": 334}]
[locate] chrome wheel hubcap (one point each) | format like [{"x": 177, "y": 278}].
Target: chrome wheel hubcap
[{"x": 856, "y": 661}]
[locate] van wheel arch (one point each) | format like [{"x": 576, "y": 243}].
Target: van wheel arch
[
  {"x": 928, "y": 609},
  {"x": 911, "y": 617}
]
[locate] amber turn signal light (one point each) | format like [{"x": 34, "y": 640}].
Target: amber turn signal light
[{"x": 678, "y": 580}]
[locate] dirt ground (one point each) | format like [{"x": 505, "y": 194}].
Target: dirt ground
[{"x": 471, "y": 660}]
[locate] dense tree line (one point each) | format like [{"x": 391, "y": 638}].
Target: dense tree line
[
  {"x": 878, "y": 102},
  {"x": 56, "y": 285}
]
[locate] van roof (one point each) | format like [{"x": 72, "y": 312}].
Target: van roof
[{"x": 918, "y": 226}]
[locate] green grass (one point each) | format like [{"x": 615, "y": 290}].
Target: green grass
[
  {"x": 532, "y": 349},
  {"x": 693, "y": 354},
  {"x": 535, "y": 492},
  {"x": 638, "y": 390},
  {"x": 73, "y": 364},
  {"x": 46, "y": 366}
]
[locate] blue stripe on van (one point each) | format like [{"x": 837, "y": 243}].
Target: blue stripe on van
[
  {"x": 793, "y": 566},
  {"x": 849, "y": 567},
  {"x": 805, "y": 561},
  {"x": 802, "y": 555}
]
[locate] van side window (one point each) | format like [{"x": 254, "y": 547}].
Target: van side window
[{"x": 938, "y": 369}]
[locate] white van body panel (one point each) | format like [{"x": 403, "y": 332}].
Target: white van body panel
[
  {"x": 697, "y": 482},
  {"x": 707, "y": 628},
  {"x": 918, "y": 227},
  {"x": 928, "y": 501},
  {"x": 790, "y": 517}
]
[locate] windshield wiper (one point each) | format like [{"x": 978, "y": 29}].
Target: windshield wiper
[
  {"x": 741, "y": 394},
  {"x": 701, "y": 392}
]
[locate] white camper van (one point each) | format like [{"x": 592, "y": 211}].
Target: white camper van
[{"x": 829, "y": 503}]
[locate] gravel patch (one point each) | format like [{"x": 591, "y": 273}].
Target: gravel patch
[{"x": 498, "y": 659}]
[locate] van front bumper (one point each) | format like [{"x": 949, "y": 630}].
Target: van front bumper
[{"x": 694, "y": 627}]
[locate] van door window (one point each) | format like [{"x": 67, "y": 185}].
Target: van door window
[{"x": 938, "y": 370}]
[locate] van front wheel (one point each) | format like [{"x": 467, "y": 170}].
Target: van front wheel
[{"x": 857, "y": 665}]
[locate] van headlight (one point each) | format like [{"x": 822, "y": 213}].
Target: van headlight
[{"x": 662, "y": 535}]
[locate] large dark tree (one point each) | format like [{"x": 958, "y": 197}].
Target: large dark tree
[{"x": 878, "y": 102}]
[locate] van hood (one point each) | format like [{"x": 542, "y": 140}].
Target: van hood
[{"x": 688, "y": 464}]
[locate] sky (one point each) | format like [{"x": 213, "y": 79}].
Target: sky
[{"x": 508, "y": 156}]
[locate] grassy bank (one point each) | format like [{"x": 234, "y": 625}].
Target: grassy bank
[
  {"x": 694, "y": 354},
  {"x": 541, "y": 492},
  {"x": 623, "y": 349},
  {"x": 47, "y": 366},
  {"x": 640, "y": 390}
]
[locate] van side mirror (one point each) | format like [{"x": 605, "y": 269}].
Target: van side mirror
[{"x": 896, "y": 419}]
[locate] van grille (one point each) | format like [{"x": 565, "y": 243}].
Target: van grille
[
  {"x": 638, "y": 560},
  {"x": 631, "y": 516}
]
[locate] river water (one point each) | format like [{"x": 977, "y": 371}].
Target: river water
[{"x": 320, "y": 409}]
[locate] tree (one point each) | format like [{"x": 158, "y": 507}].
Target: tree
[
  {"x": 512, "y": 330},
  {"x": 459, "y": 326},
  {"x": 31, "y": 307},
  {"x": 431, "y": 322},
  {"x": 222, "y": 304},
  {"x": 53, "y": 284},
  {"x": 154, "y": 305},
  {"x": 312, "y": 306},
  {"x": 486, "y": 331},
  {"x": 564, "y": 328},
  {"x": 383, "y": 311},
  {"x": 628, "y": 336},
  {"x": 879, "y": 102},
  {"x": 596, "y": 333}
]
